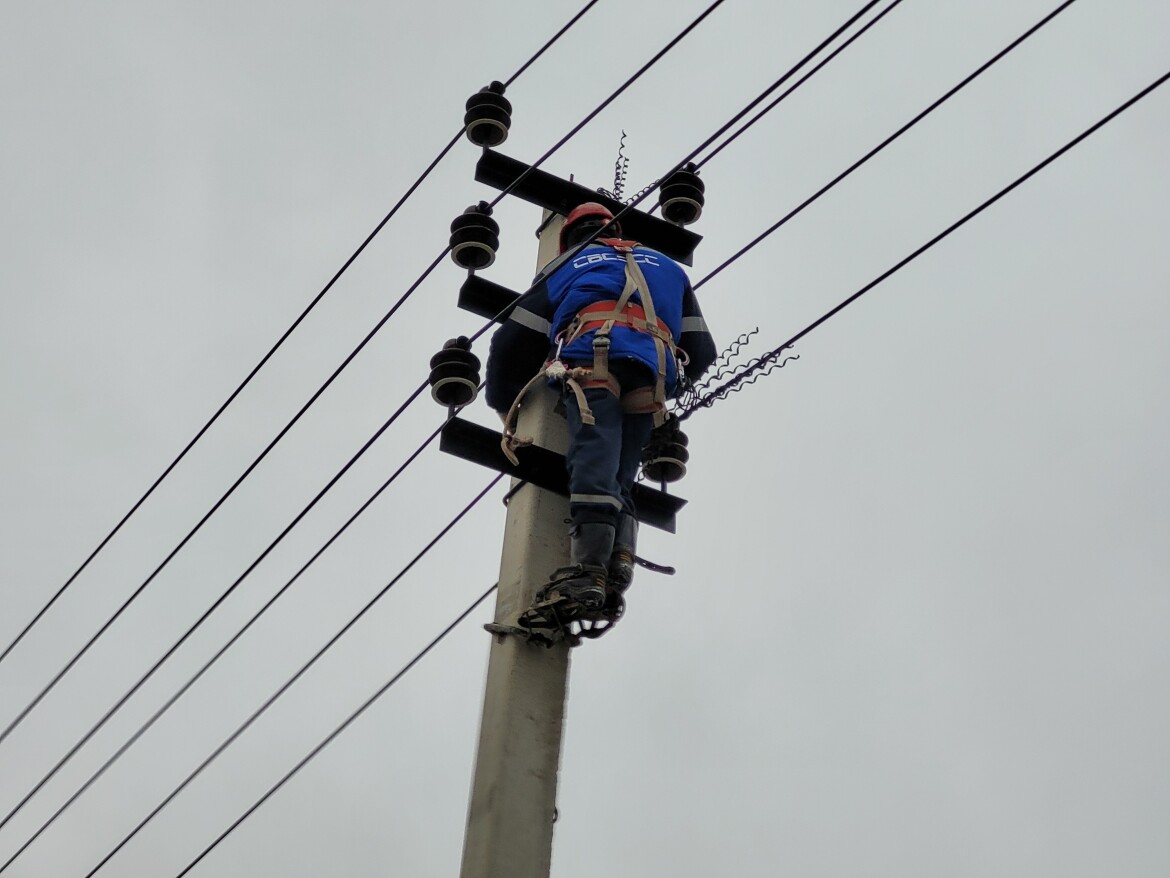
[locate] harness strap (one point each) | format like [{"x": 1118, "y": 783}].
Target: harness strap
[
  {"x": 640, "y": 401},
  {"x": 509, "y": 441},
  {"x": 602, "y": 318},
  {"x": 577, "y": 379},
  {"x": 596, "y": 315}
]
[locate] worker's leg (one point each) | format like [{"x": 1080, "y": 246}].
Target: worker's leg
[
  {"x": 594, "y": 457},
  {"x": 594, "y": 493},
  {"x": 636, "y": 429}
]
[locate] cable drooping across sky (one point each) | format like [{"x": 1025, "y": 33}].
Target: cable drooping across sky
[
  {"x": 125, "y": 697},
  {"x": 762, "y": 363},
  {"x": 600, "y": 233},
  {"x": 1019, "y": 181},
  {"x": 170, "y": 702},
  {"x": 142, "y": 680},
  {"x": 969, "y": 216},
  {"x": 337, "y": 372},
  {"x": 971, "y": 77},
  {"x": 779, "y": 98},
  {"x": 280, "y": 341},
  {"x": 291, "y": 680},
  {"x": 338, "y": 730}
]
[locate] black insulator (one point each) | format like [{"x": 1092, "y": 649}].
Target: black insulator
[
  {"x": 475, "y": 237},
  {"x": 455, "y": 373},
  {"x": 665, "y": 456},
  {"x": 681, "y": 196},
  {"x": 489, "y": 116}
]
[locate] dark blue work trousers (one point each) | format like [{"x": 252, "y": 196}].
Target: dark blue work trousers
[{"x": 604, "y": 457}]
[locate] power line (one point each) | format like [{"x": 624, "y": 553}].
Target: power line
[
  {"x": 235, "y": 393},
  {"x": 279, "y": 342},
  {"x": 285, "y": 686},
  {"x": 369, "y": 336},
  {"x": 637, "y": 74},
  {"x": 969, "y": 216},
  {"x": 572, "y": 21},
  {"x": 975, "y": 74},
  {"x": 729, "y": 387},
  {"x": 756, "y": 118},
  {"x": 202, "y": 670},
  {"x": 787, "y": 75},
  {"x": 778, "y": 100},
  {"x": 207, "y": 613},
  {"x": 718, "y": 133},
  {"x": 1019, "y": 181},
  {"x": 223, "y": 499},
  {"x": 337, "y": 731}
]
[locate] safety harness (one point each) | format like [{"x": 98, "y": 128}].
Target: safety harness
[{"x": 600, "y": 318}]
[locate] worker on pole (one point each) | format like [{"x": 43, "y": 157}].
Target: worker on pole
[{"x": 615, "y": 325}]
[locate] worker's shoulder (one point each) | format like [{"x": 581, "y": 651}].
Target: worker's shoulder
[{"x": 652, "y": 259}]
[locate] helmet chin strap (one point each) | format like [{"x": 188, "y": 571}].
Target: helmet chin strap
[{"x": 583, "y": 231}]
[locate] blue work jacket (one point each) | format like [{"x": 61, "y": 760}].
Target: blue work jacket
[{"x": 597, "y": 273}]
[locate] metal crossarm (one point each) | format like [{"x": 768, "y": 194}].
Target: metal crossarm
[
  {"x": 546, "y": 469},
  {"x": 551, "y": 192}
]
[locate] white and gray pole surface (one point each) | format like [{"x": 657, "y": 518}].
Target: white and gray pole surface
[{"x": 513, "y": 794}]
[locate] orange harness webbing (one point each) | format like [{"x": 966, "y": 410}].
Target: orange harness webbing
[{"x": 600, "y": 318}]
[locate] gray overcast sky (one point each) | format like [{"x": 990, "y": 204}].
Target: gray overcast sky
[{"x": 919, "y": 625}]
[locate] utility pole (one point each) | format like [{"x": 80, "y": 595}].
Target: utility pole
[{"x": 513, "y": 793}]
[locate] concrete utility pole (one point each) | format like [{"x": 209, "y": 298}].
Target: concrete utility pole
[{"x": 513, "y": 794}]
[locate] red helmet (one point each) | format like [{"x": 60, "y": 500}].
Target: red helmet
[{"x": 588, "y": 209}]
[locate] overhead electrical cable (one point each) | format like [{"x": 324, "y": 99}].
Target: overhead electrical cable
[
  {"x": 234, "y": 394},
  {"x": 280, "y": 341},
  {"x": 967, "y": 80},
  {"x": 218, "y": 503},
  {"x": 572, "y": 21},
  {"x": 776, "y": 102},
  {"x": 369, "y": 336},
  {"x": 937, "y": 238},
  {"x": 1160, "y": 81},
  {"x": 338, "y": 730},
  {"x": 291, "y": 680},
  {"x": 600, "y": 233},
  {"x": 771, "y": 88},
  {"x": 721, "y": 391},
  {"x": 247, "y": 379},
  {"x": 175, "y": 646},
  {"x": 202, "y": 670},
  {"x": 637, "y": 74},
  {"x": 1019, "y": 181}
]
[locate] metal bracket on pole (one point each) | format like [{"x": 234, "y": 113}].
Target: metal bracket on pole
[
  {"x": 560, "y": 196},
  {"x": 546, "y": 469},
  {"x": 486, "y": 299}
]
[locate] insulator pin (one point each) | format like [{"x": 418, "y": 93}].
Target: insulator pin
[
  {"x": 488, "y": 117},
  {"x": 454, "y": 376},
  {"x": 665, "y": 457},
  {"x": 681, "y": 196},
  {"x": 475, "y": 237}
]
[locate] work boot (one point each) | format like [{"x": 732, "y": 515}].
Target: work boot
[
  {"x": 584, "y": 584},
  {"x": 621, "y": 562},
  {"x": 591, "y": 546}
]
